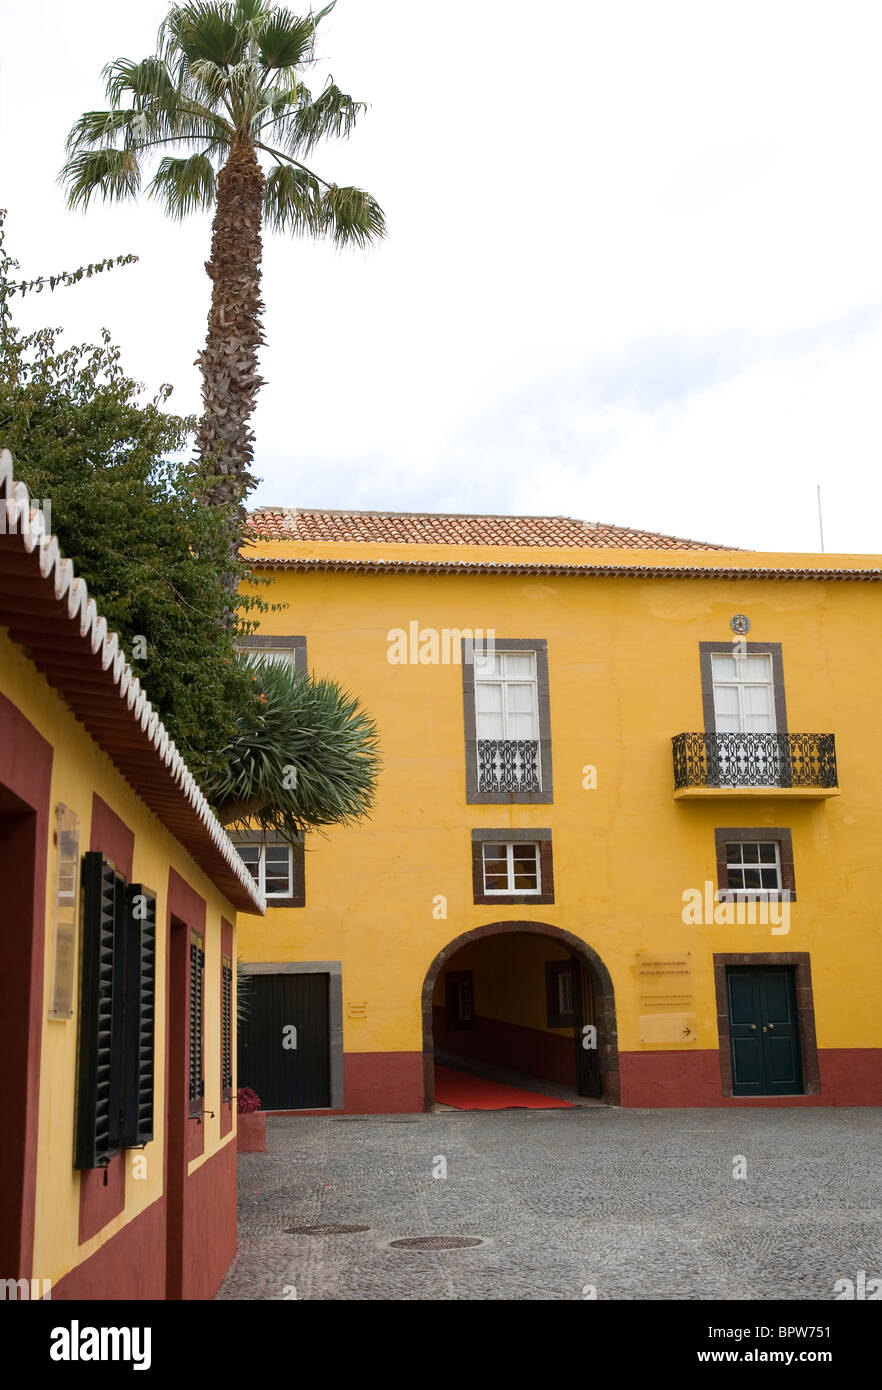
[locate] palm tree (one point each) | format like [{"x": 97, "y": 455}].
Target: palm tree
[{"x": 223, "y": 95}]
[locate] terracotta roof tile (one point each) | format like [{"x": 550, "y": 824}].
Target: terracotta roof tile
[{"x": 311, "y": 524}]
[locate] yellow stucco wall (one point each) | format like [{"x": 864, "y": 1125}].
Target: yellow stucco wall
[
  {"x": 79, "y": 769},
  {"x": 624, "y": 677}
]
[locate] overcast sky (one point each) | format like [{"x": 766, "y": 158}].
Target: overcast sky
[{"x": 633, "y": 271}]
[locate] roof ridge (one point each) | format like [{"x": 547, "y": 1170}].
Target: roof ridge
[
  {"x": 271, "y": 521},
  {"x": 430, "y": 516}
]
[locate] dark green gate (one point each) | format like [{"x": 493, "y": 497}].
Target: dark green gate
[
  {"x": 764, "y": 1031},
  {"x": 284, "y": 1043}
]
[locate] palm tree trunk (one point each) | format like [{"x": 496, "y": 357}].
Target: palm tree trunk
[{"x": 230, "y": 378}]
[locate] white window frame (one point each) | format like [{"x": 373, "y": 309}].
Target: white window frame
[
  {"x": 755, "y": 892},
  {"x": 504, "y": 682},
  {"x": 261, "y": 847},
  {"x": 509, "y": 846},
  {"x": 739, "y": 685}
]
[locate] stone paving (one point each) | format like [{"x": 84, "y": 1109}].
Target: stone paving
[{"x": 639, "y": 1204}]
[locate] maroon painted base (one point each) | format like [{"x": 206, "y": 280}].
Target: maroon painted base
[
  {"x": 131, "y": 1265},
  {"x": 849, "y": 1076},
  {"x": 251, "y": 1132},
  {"x": 548, "y": 1056},
  {"x": 209, "y": 1224}
]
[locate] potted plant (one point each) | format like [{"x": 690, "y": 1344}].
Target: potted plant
[{"x": 251, "y": 1131}]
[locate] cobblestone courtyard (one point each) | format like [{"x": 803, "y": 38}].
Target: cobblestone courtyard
[{"x": 636, "y": 1203}]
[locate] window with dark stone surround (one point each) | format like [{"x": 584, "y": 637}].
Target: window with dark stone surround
[
  {"x": 539, "y": 646},
  {"x": 297, "y": 897},
  {"x": 772, "y": 649},
  {"x": 542, "y": 838},
  {"x": 726, "y": 835}
]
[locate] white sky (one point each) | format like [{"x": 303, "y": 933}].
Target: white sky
[{"x": 633, "y": 273}]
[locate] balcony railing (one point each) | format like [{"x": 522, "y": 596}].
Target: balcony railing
[
  {"x": 754, "y": 760},
  {"x": 508, "y": 765}
]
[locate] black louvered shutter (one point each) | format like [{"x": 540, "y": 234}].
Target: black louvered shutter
[
  {"x": 99, "y": 1062},
  {"x": 140, "y": 1002},
  {"x": 227, "y": 1032},
  {"x": 197, "y": 1085}
]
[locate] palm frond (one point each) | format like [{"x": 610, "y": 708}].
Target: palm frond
[
  {"x": 184, "y": 185},
  {"x": 108, "y": 172},
  {"x": 351, "y": 217},
  {"x": 332, "y": 113},
  {"x": 203, "y": 30},
  {"x": 103, "y": 127},
  {"x": 293, "y": 201},
  {"x": 285, "y": 40},
  {"x": 206, "y": 82},
  {"x": 149, "y": 78}
]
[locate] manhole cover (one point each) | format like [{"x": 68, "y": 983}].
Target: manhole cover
[
  {"x": 324, "y": 1230},
  {"x": 436, "y": 1242}
]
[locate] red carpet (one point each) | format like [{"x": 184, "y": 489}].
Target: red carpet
[{"x": 466, "y": 1092}]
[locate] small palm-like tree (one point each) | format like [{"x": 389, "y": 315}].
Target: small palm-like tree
[
  {"x": 222, "y": 104},
  {"x": 305, "y": 755}
]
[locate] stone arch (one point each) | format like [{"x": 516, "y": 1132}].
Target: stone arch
[{"x": 607, "y": 1033}]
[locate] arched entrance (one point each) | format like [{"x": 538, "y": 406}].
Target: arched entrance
[{"x": 593, "y": 1000}]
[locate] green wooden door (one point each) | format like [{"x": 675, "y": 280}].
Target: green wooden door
[{"x": 764, "y": 1031}]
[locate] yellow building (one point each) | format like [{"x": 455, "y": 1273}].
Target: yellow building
[
  {"x": 117, "y": 953},
  {"x": 629, "y": 844}
]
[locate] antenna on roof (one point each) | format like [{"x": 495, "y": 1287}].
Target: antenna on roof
[{"x": 820, "y": 518}]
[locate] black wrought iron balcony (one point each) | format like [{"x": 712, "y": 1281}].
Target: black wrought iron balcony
[
  {"x": 785, "y": 761},
  {"x": 508, "y": 765}
]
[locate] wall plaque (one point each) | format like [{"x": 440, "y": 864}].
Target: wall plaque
[
  {"x": 67, "y": 843},
  {"x": 667, "y": 1000}
]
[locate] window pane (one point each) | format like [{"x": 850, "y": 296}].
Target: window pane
[
  {"x": 277, "y": 871},
  {"x": 752, "y": 878},
  {"x": 767, "y": 853},
  {"x": 488, "y": 711},
  {"x": 769, "y": 878},
  {"x": 525, "y": 852},
  {"x": 750, "y": 854},
  {"x": 758, "y": 709},
  {"x": 756, "y": 668},
  {"x": 520, "y": 703},
  {"x": 494, "y": 852},
  {"x": 525, "y": 882},
  {"x": 519, "y": 666},
  {"x": 725, "y": 668},
  {"x": 251, "y": 856},
  {"x": 495, "y": 883},
  {"x": 733, "y": 853},
  {"x": 486, "y": 665},
  {"x": 736, "y": 878},
  {"x": 726, "y": 709},
  {"x": 565, "y": 991}
]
